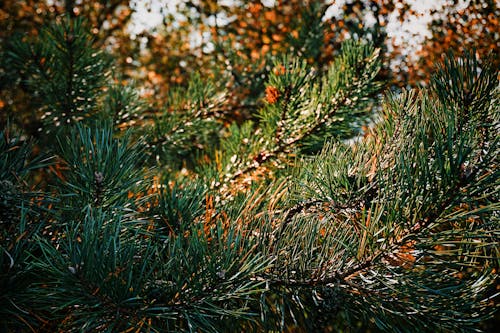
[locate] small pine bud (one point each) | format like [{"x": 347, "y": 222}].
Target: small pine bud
[
  {"x": 99, "y": 178},
  {"x": 221, "y": 274},
  {"x": 272, "y": 94}
]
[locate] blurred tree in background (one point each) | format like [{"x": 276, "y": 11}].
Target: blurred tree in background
[
  {"x": 248, "y": 166},
  {"x": 235, "y": 42},
  {"x": 474, "y": 26}
]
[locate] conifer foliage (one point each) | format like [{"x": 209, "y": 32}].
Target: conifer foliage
[
  {"x": 62, "y": 71},
  {"x": 183, "y": 222}
]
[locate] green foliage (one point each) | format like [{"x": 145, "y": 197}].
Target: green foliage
[
  {"x": 303, "y": 110},
  {"x": 188, "y": 125},
  {"x": 94, "y": 270},
  {"x": 309, "y": 40},
  {"x": 179, "y": 206},
  {"x": 16, "y": 165},
  {"x": 422, "y": 224},
  {"x": 197, "y": 279},
  {"x": 335, "y": 105},
  {"x": 243, "y": 226},
  {"x": 123, "y": 106},
  {"x": 102, "y": 170},
  {"x": 63, "y": 71},
  {"x": 18, "y": 206}
]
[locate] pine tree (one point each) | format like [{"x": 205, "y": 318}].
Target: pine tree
[{"x": 184, "y": 222}]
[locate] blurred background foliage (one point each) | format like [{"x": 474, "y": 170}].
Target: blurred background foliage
[{"x": 234, "y": 42}]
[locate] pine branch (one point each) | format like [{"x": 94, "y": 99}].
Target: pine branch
[
  {"x": 64, "y": 71},
  {"x": 296, "y": 91}
]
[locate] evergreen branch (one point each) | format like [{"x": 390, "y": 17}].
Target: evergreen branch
[
  {"x": 39, "y": 64},
  {"x": 279, "y": 128},
  {"x": 295, "y": 88},
  {"x": 69, "y": 75},
  {"x": 316, "y": 126}
]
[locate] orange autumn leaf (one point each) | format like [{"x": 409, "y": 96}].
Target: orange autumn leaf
[
  {"x": 255, "y": 54},
  {"x": 270, "y": 16},
  {"x": 255, "y": 8},
  {"x": 277, "y": 37}
]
